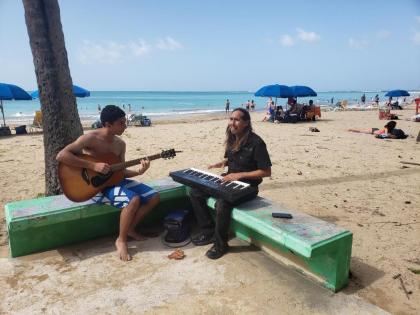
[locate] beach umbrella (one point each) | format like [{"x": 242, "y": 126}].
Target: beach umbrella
[
  {"x": 77, "y": 91},
  {"x": 397, "y": 93},
  {"x": 11, "y": 92},
  {"x": 302, "y": 91},
  {"x": 275, "y": 90}
]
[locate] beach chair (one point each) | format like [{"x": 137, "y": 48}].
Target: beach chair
[
  {"x": 139, "y": 120},
  {"x": 344, "y": 104},
  {"x": 313, "y": 112},
  {"x": 37, "y": 122}
]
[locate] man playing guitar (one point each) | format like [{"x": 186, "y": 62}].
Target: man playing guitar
[{"x": 135, "y": 199}]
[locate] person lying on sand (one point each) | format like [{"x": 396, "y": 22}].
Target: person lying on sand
[{"x": 388, "y": 131}]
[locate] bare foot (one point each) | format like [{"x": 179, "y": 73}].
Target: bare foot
[
  {"x": 122, "y": 250},
  {"x": 138, "y": 237}
]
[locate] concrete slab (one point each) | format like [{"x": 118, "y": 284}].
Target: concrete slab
[{"x": 88, "y": 278}]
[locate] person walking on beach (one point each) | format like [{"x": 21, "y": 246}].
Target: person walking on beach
[
  {"x": 377, "y": 99},
  {"x": 252, "y": 105},
  {"x": 99, "y": 108},
  {"x": 363, "y": 99},
  {"x": 248, "y": 105},
  {"x": 135, "y": 199},
  {"x": 247, "y": 160},
  {"x": 227, "y": 106}
]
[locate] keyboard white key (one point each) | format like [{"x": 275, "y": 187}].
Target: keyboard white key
[{"x": 202, "y": 174}]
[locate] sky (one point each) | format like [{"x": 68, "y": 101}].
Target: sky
[{"x": 232, "y": 45}]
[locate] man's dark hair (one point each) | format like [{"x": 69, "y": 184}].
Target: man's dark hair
[{"x": 110, "y": 114}]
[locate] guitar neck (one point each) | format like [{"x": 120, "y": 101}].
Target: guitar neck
[{"x": 123, "y": 165}]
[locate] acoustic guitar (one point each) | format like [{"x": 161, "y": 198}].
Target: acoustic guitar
[{"x": 80, "y": 184}]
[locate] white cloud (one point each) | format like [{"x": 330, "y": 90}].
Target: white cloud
[
  {"x": 139, "y": 47},
  {"x": 310, "y": 37},
  {"x": 357, "y": 43},
  {"x": 287, "y": 40},
  {"x": 106, "y": 52},
  {"x": 383, "y": 34},
  {"x": 111, "y": 52},
  {"x": 168, "y": 43},
  {"x": 416, "y": 38}
]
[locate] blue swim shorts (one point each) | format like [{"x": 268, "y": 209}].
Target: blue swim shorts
[{"x": 120, "y": 195}]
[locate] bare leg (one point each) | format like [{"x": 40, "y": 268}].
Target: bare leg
[
  {"x": 140, "y": 214},
  {"x": 368, "y": 131},
  {"x": 126, "y": 217}
]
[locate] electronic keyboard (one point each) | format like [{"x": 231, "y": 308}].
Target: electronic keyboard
[{"x": 233, "y": 192}]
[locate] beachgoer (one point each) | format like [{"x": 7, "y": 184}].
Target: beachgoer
[
  {"x": 389, "y": 103},
  {"x": 227, "y": 106},
  {"x": 247, "y": 160},
  {"x": 99, "y": 108},
  {"x": 279, "y": 114},
  {"x": 332, "y": 100},
  {"x": 252, "y": 105},
  {"x": 377, "y": 99},
  {"x": 135, "y": 199},
  {"x": 268, "y": 104},
  {"x": 388, "y": 131},
  {"x": 292, "y": 103},
  {"x": 363, "y": 98},
  {"x": 248, "y": 105}
]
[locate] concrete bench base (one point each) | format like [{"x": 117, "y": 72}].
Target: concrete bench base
[
  {"x": 316, "y": 248},
  {"x": 46, "y": 223}
]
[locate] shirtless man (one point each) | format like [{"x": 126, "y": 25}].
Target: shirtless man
[{"x": 135, "y": 199}]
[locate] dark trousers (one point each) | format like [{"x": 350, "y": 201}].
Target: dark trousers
[{"x": 219, "y": 228}]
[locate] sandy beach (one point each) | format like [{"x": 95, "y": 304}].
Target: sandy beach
[{"x": 353, "y": 180}]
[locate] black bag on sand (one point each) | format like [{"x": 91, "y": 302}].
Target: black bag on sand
[{"x": 177, "y": 232}]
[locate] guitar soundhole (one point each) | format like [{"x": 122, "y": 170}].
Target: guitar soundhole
[{"x": 100, "y": 179}]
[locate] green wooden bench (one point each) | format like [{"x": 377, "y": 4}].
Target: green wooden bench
[
  {"x": 46, "y": 223},
  {"x": 316, "y": 248}
]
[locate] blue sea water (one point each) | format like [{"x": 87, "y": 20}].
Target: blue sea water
[{"x": 170, "y": 103}]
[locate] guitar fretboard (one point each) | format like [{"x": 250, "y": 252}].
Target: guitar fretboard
[{"x": 122, "y": 165}]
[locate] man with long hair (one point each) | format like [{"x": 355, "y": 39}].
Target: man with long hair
[{"x": 247, "y": 160}]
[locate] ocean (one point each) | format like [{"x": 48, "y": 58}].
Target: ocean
[{"x": 165, "y": 104}]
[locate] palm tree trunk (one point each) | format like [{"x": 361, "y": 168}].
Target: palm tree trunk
[{"x": 60, "y": 118}]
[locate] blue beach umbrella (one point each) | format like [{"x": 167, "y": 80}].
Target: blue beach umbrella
[
  {"x": 397, "y": 93},
  {"x": 11, "y": 92},
  {"x": 302, "y": 91},
  {"x": 275, "y": 90},
  {"x": 77, "y": 91}
]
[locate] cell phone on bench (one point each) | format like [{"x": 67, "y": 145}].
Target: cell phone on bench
[{"x": 282, "y": 215}]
